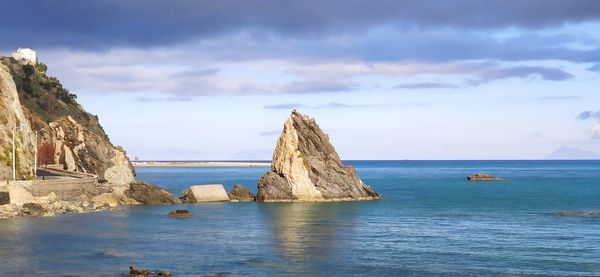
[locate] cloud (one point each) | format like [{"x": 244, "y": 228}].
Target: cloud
[
  {"x": 595, "y": 131},
  {"x": 589, "y": 115},
  {"x": 426, "y": 85},
  {"x": 330, "y": 105},
  {"x": 499, "y": 73},
  {"x": 318, "y": 86},
  {"x": 101, "y": 23},
  {"x": 285, "y": 106},
  {"x": 595, "y": 67}
]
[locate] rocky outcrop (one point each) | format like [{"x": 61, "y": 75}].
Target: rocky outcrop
[
  {"x": 12, "y": 115},
  {"x": 79, "y": 149},
  {"x": 206, "y": 193},
  {"x": 241, "y": 194},
  {"x": 306, "y": 167},
  {"x": 74, "y": 136},
  {"x": 150, "y": 194}
]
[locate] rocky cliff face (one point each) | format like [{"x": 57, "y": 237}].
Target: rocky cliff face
[
  {"x": 306, "y": 167},
  {"x": 79, "y": 149},
  {"x": 73, "y": 136},
  {"x": 11, "y": 115}
]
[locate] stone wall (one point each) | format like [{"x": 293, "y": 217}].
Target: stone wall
[{"x": 65, "y": 189}]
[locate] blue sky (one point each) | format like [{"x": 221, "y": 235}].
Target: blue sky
[{"x": 203, "y": 80}]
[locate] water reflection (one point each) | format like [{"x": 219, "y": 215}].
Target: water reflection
[{"x": 310, "y": 233}]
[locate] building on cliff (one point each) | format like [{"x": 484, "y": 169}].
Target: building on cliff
[{"x": 25, "y": 54}]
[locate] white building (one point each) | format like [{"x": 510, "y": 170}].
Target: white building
[{"x": 25, "y": 54}]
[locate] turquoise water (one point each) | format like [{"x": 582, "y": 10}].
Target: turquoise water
[{"x": 431, "y": 222}]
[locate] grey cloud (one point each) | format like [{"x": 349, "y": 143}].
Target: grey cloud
[
  {"x": 595, "y": 67},
  {"x": 426, "y": 85},
  {"x": 196, "y": 73},
  {"x": 546, "y": 73},
  {"x": 146, "y": 23},
  {"x": 318, "y": 86},
  {"x": 589, "y": 115}
]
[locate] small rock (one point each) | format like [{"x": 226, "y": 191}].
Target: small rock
[
  {"x": 241, "y": 194},
  {"x": 33, "y": 209},
  {"x": 180, "y": 214},
  {"x": 483, "y": 177},
  {"x": 133, "y": 271},
  {"x": 106, "y": 199}
]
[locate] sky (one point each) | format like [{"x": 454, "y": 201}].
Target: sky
[{"x": 388, "y": 79}]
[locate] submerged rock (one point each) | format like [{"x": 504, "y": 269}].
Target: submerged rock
[
  {"x": 150, "y": 194},
  {"x": 483, "y": 177},
  {"x": 180, "y": 214},
  {"x": 207, "y": 193},
  {"x": 306, "y": 167},
  {"x": 241, "y": 193},
  {"x": 578, "y": 214},
  {"x": 143, "y": 272}
]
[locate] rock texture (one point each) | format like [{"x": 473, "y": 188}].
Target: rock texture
[
  {"x": 207, "y": 193},
  {"x": 306, "y": 167},
  {"x": 12, "y": 114},
  {"x": 241, "y": 194},
  {"x": 150, "y": 194},
  {"x": 78, "y": 142}
]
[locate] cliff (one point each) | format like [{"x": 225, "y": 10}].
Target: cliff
[
  {"x": 306, "y": 167},
  {"x": 12, "y": 115},
  {"x": 71, "y": 138}
]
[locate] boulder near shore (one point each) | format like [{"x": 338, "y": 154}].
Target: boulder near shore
[
  {"x": 306, "y": 167},
  {"x": 207, "y": 193}
]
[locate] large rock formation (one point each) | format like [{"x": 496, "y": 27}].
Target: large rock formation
[
  {"x": 78, "y": 149},
  {"x": 12, "y": 115},
  {"x": 306, "y": 167},
  {"x": 72, "y": 138}
]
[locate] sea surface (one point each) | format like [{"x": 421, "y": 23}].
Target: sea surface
[{"x": 431, "y": 222}]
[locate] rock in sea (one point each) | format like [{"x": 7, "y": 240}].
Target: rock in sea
[
  {"x": 207, "y": 193},
  {"x": 241, "y": 194},
  {"x": 180, "y": 214},
  {"x": 483, "y": 177},
  {"x": 578, "y": 214},
  {"x": 306, "y": 167},
  {"x": 150, "y": 194}
]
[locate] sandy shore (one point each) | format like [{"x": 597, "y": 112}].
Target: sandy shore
[{"x": 202, "y": 164}]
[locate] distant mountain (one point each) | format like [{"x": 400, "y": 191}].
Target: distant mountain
[{"x": 569, "y": 153}]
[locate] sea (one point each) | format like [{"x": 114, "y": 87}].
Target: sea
[{"x": 431, "y": 222}]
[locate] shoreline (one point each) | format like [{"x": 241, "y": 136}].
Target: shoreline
[{"x": 200, "y": 164}]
